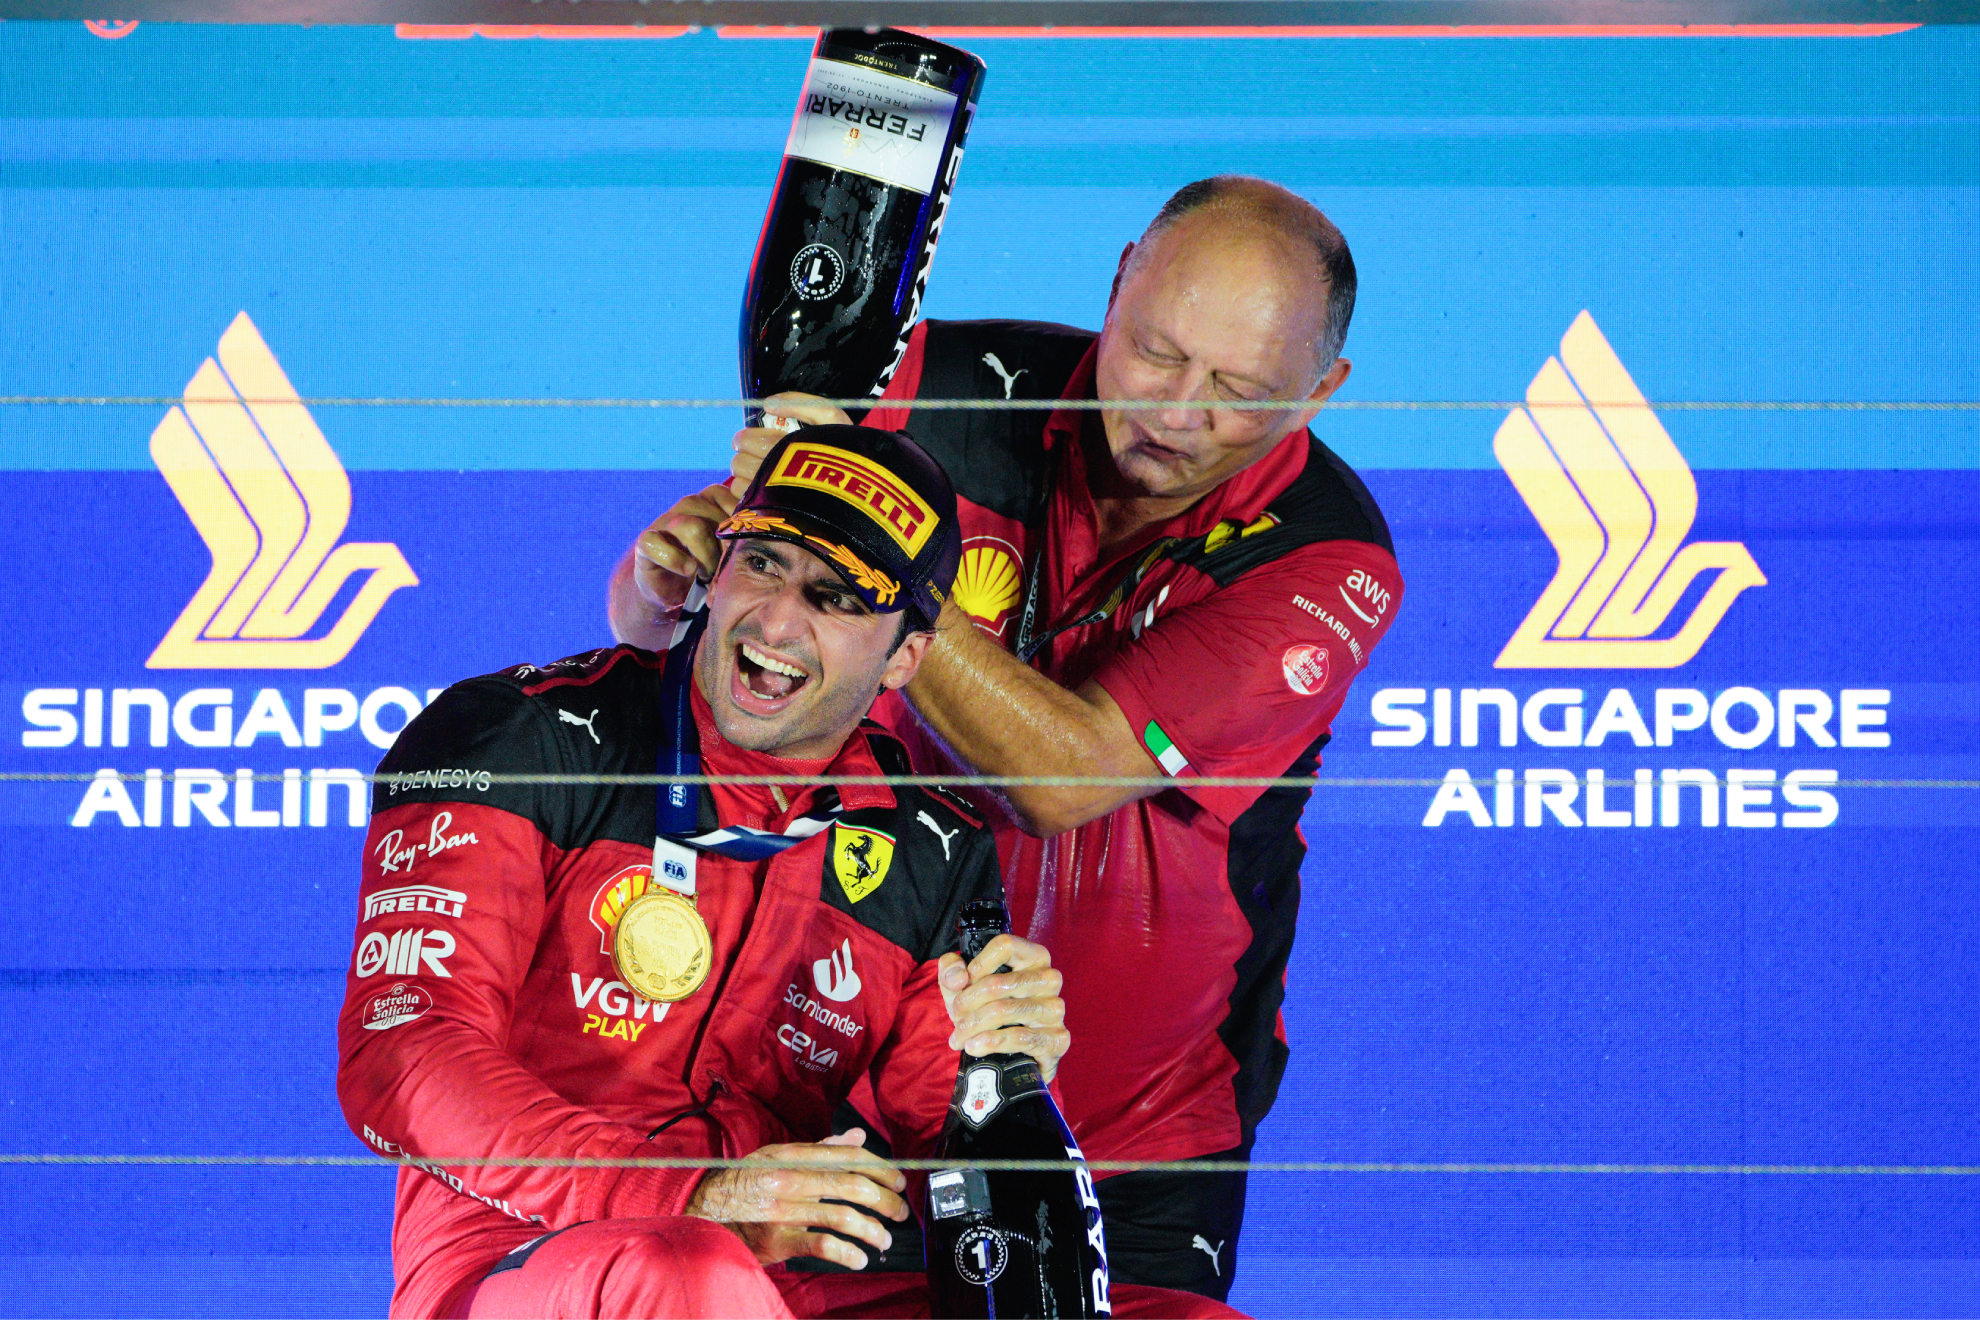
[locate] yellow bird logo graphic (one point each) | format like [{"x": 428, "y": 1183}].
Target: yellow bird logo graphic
[
  {"x": 1611, "y": 491},
  {"x": 266, "y": 493}
]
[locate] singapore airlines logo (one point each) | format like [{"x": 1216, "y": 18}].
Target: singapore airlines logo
[
  {"x": 266, "y": 493},
  {"x": 1616, "y": 498}
]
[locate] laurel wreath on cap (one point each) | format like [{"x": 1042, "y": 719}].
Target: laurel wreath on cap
[
  {"x": 744, "y": 521},
  {"x": 884, "y": 588}
]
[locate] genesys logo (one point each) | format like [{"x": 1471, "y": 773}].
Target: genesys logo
[
  {"x": 269, "y": 497},
  {"x": 1616, "y": 498}
]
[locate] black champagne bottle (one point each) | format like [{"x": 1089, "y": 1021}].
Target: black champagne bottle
[
  {"x": 843, "y": 259},
  {"x": 1004, "y": 1243}
]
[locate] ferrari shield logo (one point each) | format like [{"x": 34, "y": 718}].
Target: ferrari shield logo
[{"x": 860, "y": 859}]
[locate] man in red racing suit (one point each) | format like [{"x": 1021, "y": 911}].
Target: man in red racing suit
[{"x": 491, "y": 1013}]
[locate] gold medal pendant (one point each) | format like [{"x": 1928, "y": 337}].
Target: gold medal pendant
[{"x": 661, "y": 946}]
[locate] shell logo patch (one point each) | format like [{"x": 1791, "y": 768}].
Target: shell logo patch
[
  {"x": 860, "y": 859},
  {"x": 988, "y": 582},
  {"x": 612, "y": 899},
  {"x": 1223, "y": 533}
]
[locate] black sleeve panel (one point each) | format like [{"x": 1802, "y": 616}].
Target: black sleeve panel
[
  {"x": 452, "y": 750},
  {"x": 974, "y": 876},
  {"x": 594, "y": 714},
  {"x": 995, "y": 458}
]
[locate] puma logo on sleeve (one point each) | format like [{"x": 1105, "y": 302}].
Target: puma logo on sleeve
[
  {"x": 942, "y": 834},
  {"x": 996, "y": 364},
  {"x": 585, "y": 723}
]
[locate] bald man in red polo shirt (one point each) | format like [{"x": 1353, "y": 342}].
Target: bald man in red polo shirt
[{"x": 1177, "y": 590}]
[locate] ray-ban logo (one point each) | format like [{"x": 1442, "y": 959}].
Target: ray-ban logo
[
  {"x": 266, "y": 493},
  {"x": 1614, "y": 495}
]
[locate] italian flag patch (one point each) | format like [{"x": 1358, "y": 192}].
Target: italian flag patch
[{"x": 1165, "y": 751}]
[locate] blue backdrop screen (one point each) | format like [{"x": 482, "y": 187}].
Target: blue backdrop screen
[{"x": 1645, "y": 897}]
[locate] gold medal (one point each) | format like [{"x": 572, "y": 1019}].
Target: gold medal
[{"x": 661, "y": 946}]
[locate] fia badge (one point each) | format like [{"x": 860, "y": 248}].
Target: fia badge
[
  {"x": 981, "y": 1098},
  {"x": 661, "y": 946}
]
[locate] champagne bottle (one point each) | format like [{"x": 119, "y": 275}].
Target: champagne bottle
[
  {"x": 843, "y": 259},
  {"x": 1000, "y": 1242}
]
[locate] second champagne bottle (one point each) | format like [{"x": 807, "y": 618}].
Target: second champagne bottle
[{"x": 1004, "y": 1242}]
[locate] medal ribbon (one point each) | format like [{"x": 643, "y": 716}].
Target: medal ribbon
[{"x": 685, "y": 823}]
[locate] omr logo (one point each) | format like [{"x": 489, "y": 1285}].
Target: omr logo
[
  {"x": 266, "y": 493},
  {"x": 1614, "y": 495}
]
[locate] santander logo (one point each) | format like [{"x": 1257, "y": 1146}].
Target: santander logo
[{"x": 834, "y": 976}]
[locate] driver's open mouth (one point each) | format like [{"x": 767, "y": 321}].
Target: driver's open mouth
[{"x": 766, "y": 677}]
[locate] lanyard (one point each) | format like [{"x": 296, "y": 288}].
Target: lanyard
[
  {"x": 1028, "y": 645},
  {"x": 685, "y": 824}
]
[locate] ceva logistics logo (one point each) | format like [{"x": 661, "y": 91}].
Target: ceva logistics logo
[
  {"x": 1614, "y": 495},
  {"x": 266, "y": 493}
]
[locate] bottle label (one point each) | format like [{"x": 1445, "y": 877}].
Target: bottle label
[
  {"x": 984, "y": 1088},
  {"x": 885, "y": 127}
]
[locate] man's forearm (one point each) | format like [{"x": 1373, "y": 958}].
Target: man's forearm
[{"x": 1005, "y": 718}]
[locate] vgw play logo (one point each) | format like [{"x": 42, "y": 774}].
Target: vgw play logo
[
  {"x": 266, "y": 493},
  {"x": 1611, "y": 491}
]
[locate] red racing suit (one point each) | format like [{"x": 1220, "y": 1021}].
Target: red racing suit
[
  {"x": 1242, "y": 623},
  {"x": 483, "y": 1016}
]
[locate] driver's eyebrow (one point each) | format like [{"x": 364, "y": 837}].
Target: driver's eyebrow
[
  {"x": 771, "y": 551},
  {"x": 830, "y": 582}
]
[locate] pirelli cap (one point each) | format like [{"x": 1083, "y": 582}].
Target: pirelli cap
[{"x": 872, "y": 504}]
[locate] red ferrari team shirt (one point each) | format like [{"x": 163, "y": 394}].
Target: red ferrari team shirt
[{"x": 1170, "y": 917}]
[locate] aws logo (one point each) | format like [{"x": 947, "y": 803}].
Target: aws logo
[
  {"x": 266, "y": 493},
  {"x": 1614, "y": 495}
]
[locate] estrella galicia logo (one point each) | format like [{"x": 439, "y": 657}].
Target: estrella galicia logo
[
  {"x": 268, "y": 496},
  {"x": 1611, "y": 491}
]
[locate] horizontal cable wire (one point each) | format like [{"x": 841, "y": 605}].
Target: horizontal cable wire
[
  {"x": 492, "y": 778},
  {"x": 1023, "y": 405},
  {"x": 1015, "y": 1166}
]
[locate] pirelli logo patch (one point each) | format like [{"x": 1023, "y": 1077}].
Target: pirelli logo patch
[{"x": 862, "y": 483}]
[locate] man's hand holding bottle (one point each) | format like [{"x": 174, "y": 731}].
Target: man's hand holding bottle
[{"x": 1005, "y": 1001}]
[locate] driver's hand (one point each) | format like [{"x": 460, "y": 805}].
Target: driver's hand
[
  {"x": 679, "y": 547},
  {"x": 1013, "y": 1012},
  {"x": 778, "y": 1212}
]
